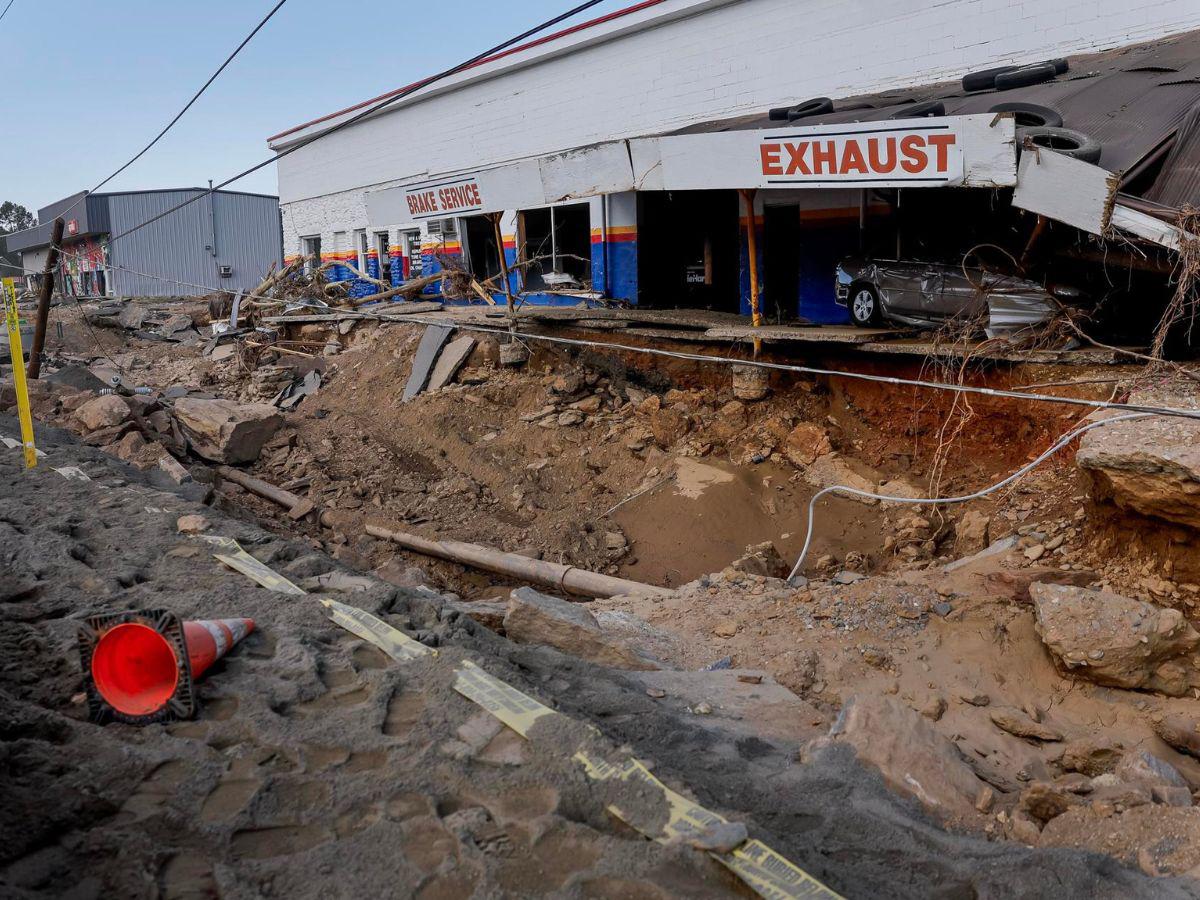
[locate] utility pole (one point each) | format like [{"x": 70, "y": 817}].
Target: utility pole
[{"x": 43, "y": 311}]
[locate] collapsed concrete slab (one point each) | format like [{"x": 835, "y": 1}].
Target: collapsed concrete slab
[
  {"x": 224, "y": 431},
  {"x": 1115, "y": 641},
  {"x": 536, "y": 618}
]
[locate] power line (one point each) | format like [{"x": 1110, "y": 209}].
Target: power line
[
  {"x": 6, "y": 9},
  {"x": 358, "y": 117},
  {"x": 179, "y": 115}
]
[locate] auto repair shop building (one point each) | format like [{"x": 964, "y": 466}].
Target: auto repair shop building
[{"x": 619, "y": 150}]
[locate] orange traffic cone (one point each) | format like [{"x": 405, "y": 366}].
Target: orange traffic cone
[{"x": 140, "y": 666}]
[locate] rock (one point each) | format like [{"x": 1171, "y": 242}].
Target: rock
[
  {"x": 590, "y": 405},
  {"x": 933, "y": 708},
  {"x": 570, "y": 417},
  {"x": 1143, "y": 769},
  {"x": 1036, "y": 552},
  {"x": 615, "y": 541},
  {"x": 750, "y": 383},
  {"x": 971, "y": 532},
  {"x": 536, "y": 618},
  {"x": 174, "y": 470},
  {"x": 1023, "y": 828},
  {"x": 976, "y": 699},
  {"x": 1164, "y": 841},
  {"x": 1045, "y": 801},
  {"x": 722, "y": 837},
  {"x": 985, "y": 800},
  {"x": 1151, "y": 466},
  {"x": 762, "y": 559},
  {"x": 1094, "y": 757},
  {"x": 449, "y": 361},
  {"x": 224, "y": 431},
  {"x": 1171, "y": 796},
  {"x": 1140, "y": 646},
  {"x": 1020, "y": 725},
  {"x": 831, "y": 469},
  {"x": 725, "y": 628},
  {"x": 567, "y": 384},
  {"x": 192, "y": 524},
  {"x": 488, "y": 613},
  {"x": 1181, "y": 733},
  {"x": 396, "y": 571},
  {"x": 805, "y": 443},
  {"x": 669, "y": 427},
  {"x": 108, "y": 411},
  {"x": 910, "y": 755}
]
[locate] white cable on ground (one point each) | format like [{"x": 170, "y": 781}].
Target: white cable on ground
[{"x": 1058, "y": 445}]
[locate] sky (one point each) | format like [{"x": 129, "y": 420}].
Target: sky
[{"x": 89, "y": 84}]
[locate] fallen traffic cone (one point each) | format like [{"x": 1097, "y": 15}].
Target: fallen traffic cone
[{"x": 140, "y": 666}]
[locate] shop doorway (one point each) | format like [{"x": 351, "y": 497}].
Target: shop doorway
[
  {"x": 688, "y": 250},
  {"x": 781, "y": 263}
]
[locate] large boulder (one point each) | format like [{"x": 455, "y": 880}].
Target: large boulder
[
  {"x": 102, "y": 412},
  {"x": 910, "y": 755},
  {"x": 763, "y": 559},
  {"x": 536, "y": 618},
  {"x": 1150, "y": 466},
  {"x": 1115, "y": 641},
  {"x": 224, "y": 431}
]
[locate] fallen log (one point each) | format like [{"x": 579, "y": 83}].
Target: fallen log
[
  {"x": 536, "y": 571},
  {"x": 409, "y": 288}
]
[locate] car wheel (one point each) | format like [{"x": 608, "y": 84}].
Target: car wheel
[
  {"x": 864, "y": 306},
  {"x": 1066, "y": 141}
]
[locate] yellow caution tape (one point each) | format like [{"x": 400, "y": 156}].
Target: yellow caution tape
[
  {"x": 516, "y": 710},
  {"x": 24, "y": 413},
  {"x": 396, "y": 644},
  {"x": 241, "y": 561},
  {"x": 770, "y": 874}
]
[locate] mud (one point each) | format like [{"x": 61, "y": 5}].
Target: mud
[{"x": 318, "y": 767}]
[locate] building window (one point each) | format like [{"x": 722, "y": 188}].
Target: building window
[
  {"x": 410, "y": 242},
  {"x": 361, "y": 248},
  {"x": 311, "y": 247},
  {"x": 382, "y": 250},
  {"x": 556, "y": 242}
]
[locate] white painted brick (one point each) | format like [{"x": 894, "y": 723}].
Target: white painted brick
[{"x": 726, "y": 58}]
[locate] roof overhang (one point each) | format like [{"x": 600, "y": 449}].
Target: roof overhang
[{"x": 952, "y": 151}]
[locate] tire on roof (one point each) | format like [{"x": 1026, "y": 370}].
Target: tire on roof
[
  {"x": 927, "y": 109},
  {"x": 1066, "y": 141},
  {"x": 1025, "y": 76},
  {"x": 814, "y": 107},
  {"x": 1030, "y": 115},
  {"x": 984, "y": 79}
]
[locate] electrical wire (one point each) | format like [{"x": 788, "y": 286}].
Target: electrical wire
[
  {"x": 938, "y": 501},
  {"x": 179, "y": 115},
  {"x": 6, "y": 9},
  {"x": 358, "y": 117}
]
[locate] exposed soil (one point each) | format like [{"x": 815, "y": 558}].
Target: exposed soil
[{"x": 652, "y": 471}]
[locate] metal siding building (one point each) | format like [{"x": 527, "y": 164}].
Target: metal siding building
[{"x": 182, "y": 254}]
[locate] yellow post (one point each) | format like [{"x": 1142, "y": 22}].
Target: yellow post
[{"x": 18, "y": 360}]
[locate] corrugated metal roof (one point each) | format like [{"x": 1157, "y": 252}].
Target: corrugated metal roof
[
  {"x": 1131, "y": 100},
  {"x": 1179, "y": 183}
]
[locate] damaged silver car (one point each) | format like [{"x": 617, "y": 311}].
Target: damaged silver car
[{"x": 925, "y": 294}]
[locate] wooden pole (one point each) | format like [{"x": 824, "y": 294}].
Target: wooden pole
[
  {"x": 43, "y": 311},
  {"x": 297, "y": 507},
  {"x": 561, "y": 578},
  {"x": 752, "y": 247},
  {"x": 503, "y": 262}
]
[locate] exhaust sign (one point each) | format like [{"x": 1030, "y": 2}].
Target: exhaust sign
[
  {"x": 971, "y": 151},
  {"x": 926, "y": 154}
]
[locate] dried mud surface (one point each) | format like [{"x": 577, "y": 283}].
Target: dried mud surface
[{"x": 318, "y": 768}]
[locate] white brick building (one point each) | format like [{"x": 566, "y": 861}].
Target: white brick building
[{"x": 654, "y": 68}]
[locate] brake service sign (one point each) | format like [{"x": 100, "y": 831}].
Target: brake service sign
[
  {"x": 879, "y": 154},
  {"x": 453, "y": 197}
]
